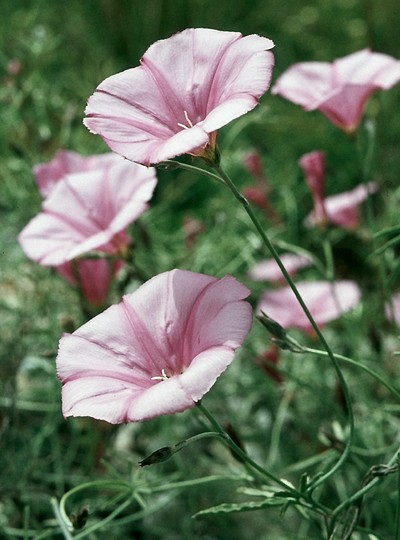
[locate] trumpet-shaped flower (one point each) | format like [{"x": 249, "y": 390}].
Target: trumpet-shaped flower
[
  {"x": 157, "y": 352},
  {"x": 340, "y": 89},
  {"x": 186, "y": 88},
  {"x": 343, "y": 209},
  {"x": 66, "y": 162},
  {"x": 268, "y": 269},
  {"x": 88, "y": 211},
  {"x": 92, "y": 276},
  {"x": 313, "y": 165},
  {"x": 326, "y": 302}
]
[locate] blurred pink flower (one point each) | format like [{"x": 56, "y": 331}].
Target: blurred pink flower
[
  {"x": 341, "y": 89},
  {"x": 268, "y": 362},
  {"x": 313, "y": 165},
  {"x": 186, "y": 88},
  {"x": 157, "y": 352},
  {"x": 66, "y": 162},
  {"x": 325, "y": 301},
  {"x": 268, "y": 270},
  {"x": 392, "y": 309},
  {"x": 254, "y": 165},
  {"x": 88, "y": 211},
  {"x": 93, "y": 276},
  {"x": 343, "y": 209},
  {"x": 14, "y": 66},
  {"x": 259, "y": 194}
]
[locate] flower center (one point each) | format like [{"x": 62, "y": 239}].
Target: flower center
[
  {"x": 163, "y": 377},
  {"x": 188, "y": 124}
]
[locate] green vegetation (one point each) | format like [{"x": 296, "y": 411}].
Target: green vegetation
[{"x": 52, "y": 56}]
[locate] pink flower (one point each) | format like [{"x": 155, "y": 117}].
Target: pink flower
[
  {"x": 66, "y": 162},
  {"x": 325, "y": 301},
  {"x": 268, "y": 270},
  {"x": 339, "y": 90},
  {"x": 93, "y": 276},
  {"x": 268, "y": 362},
  {"x": 343, "y": 209},
  {"x": 392, "y": 309},
  {"x": 88, "y": 211},
  {"x": 313, "y": 165},
  {"x": 157, "y": 352},
  {"x": 186, "y": 88}
]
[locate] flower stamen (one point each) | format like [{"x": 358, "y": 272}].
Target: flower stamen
[
  {"x": 188, "y": 122},
  {"x": 163, "y": 377}
]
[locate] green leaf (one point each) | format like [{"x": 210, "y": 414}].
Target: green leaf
[{"x": 229, "y": 508}]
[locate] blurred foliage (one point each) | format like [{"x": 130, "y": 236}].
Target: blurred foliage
[{"x": 52, "y": 56}]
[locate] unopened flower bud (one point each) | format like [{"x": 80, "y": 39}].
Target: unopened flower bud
[
  {"x": 162, "y": 454},
  {"x": 273, "y": 327}
]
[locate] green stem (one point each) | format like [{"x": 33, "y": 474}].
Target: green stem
[
  {"x": 87, "y": 485},
  {"x": 305, "y": 501},
  {"x": 352, "y": 362},
  {"x": 397, "y": 530},
  {"x": 246, "y": 206},
  {"x": 193, "y": 168},
  {"x": 361, "y": 492},
  {"x": 63, "y": 523},
  {"x": 365, "y": 163},
  {"x": 240, "y": 453},
  {"x": 328, "y": 253}
]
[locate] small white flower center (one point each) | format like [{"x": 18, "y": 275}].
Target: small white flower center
[{"x": 188, "y": 122}]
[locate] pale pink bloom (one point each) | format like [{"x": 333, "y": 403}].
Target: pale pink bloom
[
  {"x": 186, "y": 88},
  {"x": 14, "y": 66},
  {"x": 92, "y": 276},
  {"x": 66, "y": 162},
  {"x": 325, "y": 301},
  {"x": 392, "y": 309},
  {"x": 268, "y": 270},
  {"x": 343, "y": 209},
  {"x": 340, "y": 89},
  {"x": 313, "y": 165},
  {"x": 88, "y": 211},
  {"x": 254, "y": 165},
  {"x": 157, "y": 352}
]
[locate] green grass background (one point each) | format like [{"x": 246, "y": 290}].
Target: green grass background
[{"x": 65, "y": 49}]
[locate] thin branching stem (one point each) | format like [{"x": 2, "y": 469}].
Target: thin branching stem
[
  {"x": 359, "y": 365},
  {"x": 246, "y": 206}
]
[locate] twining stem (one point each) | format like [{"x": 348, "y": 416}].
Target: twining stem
[
  {"x": 246, "y": 459},
  {"x": 365, "y": 163},
  {"x": 61, "y": 519},
  {"x": 240, "y": 453},
  {"x": 361, "y": 492},
  {"x": 87, "y": 485},
  {"x": 352, "y": 362},
  {"x": 246, "y": 206},
  {"x": 397, "y": 530}
]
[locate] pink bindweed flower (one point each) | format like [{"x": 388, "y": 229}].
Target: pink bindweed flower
[
  {"x": 92, "y": 276},
  {"x": 313, "y": 165},
  {"x": 392, "y": 309},
  {"x": 341, "y": 89},
  {"x": 325, "y": 301},
  {"x": 268, "y": 362},
  {"x": 268, "y": 269},
  {"x": 186, "y": 88},
  {"x": 66, "y": 162},
  {"x": 88, "y": 211},
  {"x": 343, "y": 209},
  {"x": 157, "y": 352}
]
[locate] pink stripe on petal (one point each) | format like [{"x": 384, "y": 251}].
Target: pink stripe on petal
[
  {"x": 168, "y": 106},
  {"x": 141, "y": 341}
]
